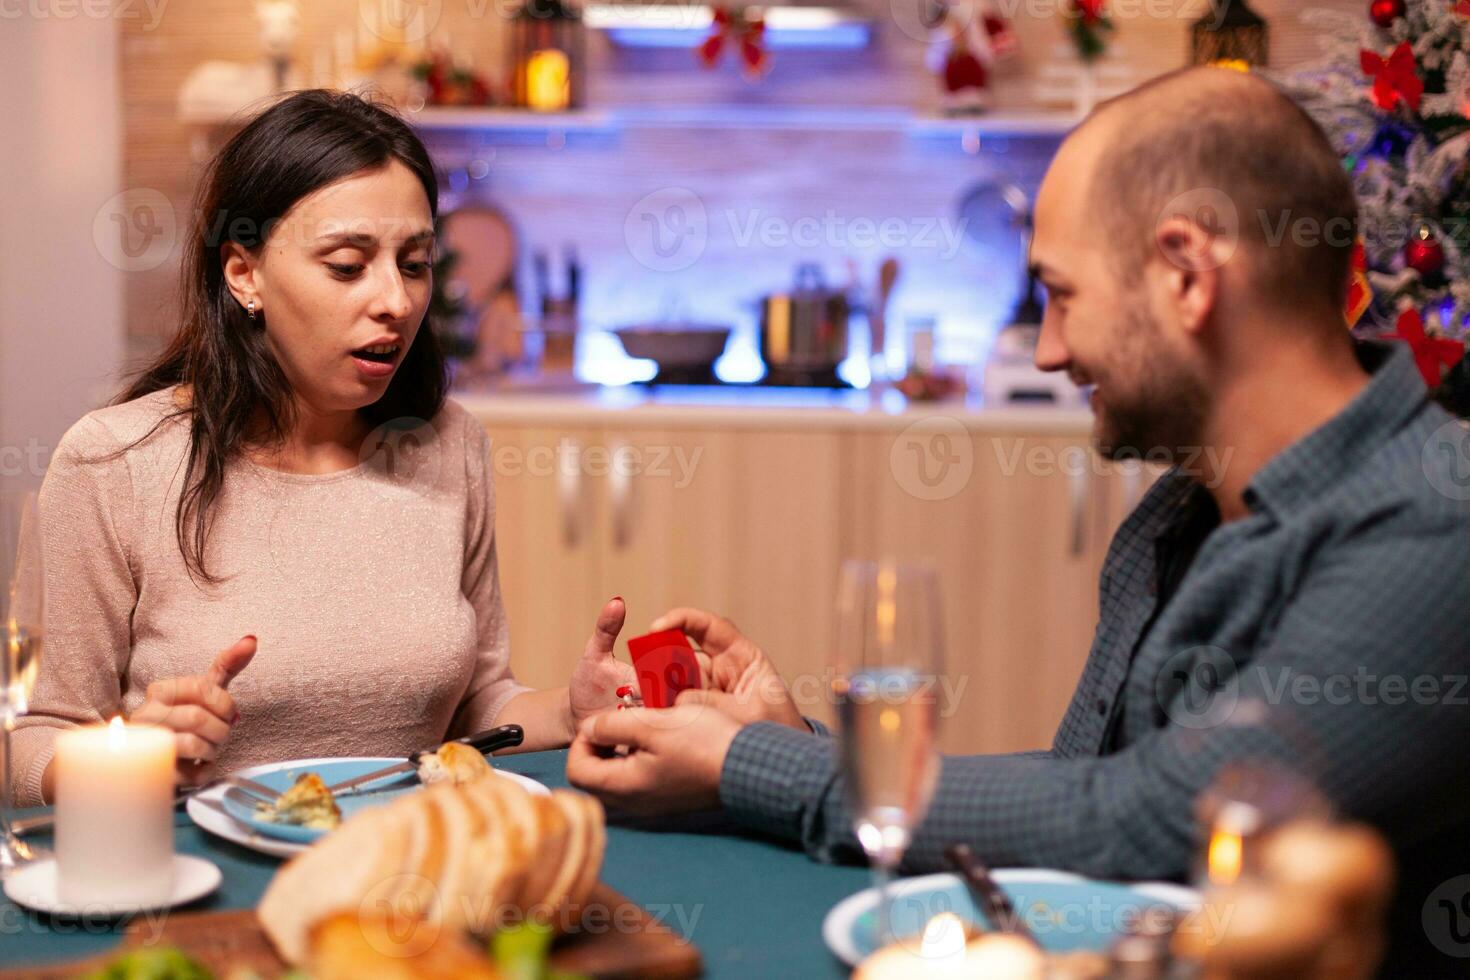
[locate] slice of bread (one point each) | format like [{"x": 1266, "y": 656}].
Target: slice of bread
[
  {"x": 464, "y": 832},
  {"x": 415, "y": 893},
  {"x": 546, "y": 862},
  {"x": 522, "y": 825},
  {"x": 502, "y": 854},
  {"x": 557, "y": 897},
  {"x": 338, "y": 872},
  {"x": 592, "y": 860}
]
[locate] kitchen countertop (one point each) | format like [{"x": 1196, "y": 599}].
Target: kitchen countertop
[{"x": 756, "y": 407}]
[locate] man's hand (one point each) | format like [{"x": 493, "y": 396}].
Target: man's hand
[
  {"x": 199, "y": 710},
  {"x": 742, "y": 681},
  {"x": 673, "y": 761}
]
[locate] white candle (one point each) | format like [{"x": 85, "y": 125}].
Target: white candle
[{"x": 114, "y": 815}]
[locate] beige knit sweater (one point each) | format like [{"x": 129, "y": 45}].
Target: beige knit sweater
[{"x": 372, "y": 591}]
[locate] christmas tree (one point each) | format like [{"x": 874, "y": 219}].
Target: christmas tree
[{"x": 1393, "y": 93}]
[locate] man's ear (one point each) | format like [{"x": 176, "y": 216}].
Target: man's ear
[
  {"x": 238, "y": 266},
  {"x": 1194, "y": 258}
]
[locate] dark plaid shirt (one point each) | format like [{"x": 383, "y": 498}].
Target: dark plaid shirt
[{"x": 1327, "y": 631}]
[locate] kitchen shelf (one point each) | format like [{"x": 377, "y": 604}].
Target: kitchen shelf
[
  {"x": 496, "y": 123},
  {"x": 492, "y": 120},
  {"x": 1047, "y": 122},
  {"x": 685, "y": 25}
]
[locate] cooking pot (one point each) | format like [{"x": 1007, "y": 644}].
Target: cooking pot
[{"x": 805, "y": 329}]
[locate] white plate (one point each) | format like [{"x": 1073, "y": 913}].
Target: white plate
[
  {"x": 206, "y": 809},
  {"x": 917, "y": 898},
  {"x": 35, "y": 887}
]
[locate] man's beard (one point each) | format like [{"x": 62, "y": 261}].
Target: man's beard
[{"x": 1162, "y": 413}]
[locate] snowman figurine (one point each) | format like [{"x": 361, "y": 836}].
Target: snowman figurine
[{"x": 279, "y": 22}]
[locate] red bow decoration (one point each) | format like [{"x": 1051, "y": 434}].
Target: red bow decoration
[
  {"x": 1360, "y": 292},
  {"x": 747, "y": 29},
  {"x": 1394, "y": 78},
  {"x": 1432, "y": 354}
]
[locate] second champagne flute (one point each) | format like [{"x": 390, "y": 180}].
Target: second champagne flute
[{"x": 887, "y": 663}]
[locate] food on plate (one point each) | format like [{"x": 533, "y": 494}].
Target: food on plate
[
  {"x": 308, "y": 803},
  {"x": 450, "y": 860},
  {"x": 454, "y": 762}
]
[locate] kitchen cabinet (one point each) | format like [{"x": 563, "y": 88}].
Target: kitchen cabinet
[
  {"x": 550, "y": 569},
  {"x": 1018, "y": 540},
  {"x": 750, "y": 512}
]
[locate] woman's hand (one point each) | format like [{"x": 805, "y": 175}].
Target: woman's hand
[
  {"x": 199, "y": 710},
  {"x": 599, "y": 674},
  {"x": 742, "y": 682}
]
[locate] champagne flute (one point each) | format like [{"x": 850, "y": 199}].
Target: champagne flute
[
  {"x": 887, "y": 664},
  {"x": 22, "y": 608}
]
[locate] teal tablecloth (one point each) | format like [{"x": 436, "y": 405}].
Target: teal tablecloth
[{"x": 753, "y": 908}]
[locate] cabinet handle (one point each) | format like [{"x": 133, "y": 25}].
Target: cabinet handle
[
  {"x": 1078, "y": 484},
  {"x": 569, "y": 494},
  {"x": 620, "y": 488}
]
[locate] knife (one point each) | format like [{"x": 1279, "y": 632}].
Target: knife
[
  {"x": 987, "y": 894},
  {"x": 504, "y": 737}
]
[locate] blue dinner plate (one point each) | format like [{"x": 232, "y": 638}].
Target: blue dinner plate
[
  {"x": 1068, "y": 913},
  {"x": 283, "y": 775}
]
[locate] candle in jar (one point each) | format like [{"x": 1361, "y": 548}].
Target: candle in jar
[
  {"x": 114, "y": 815},
  {"x": 548, "y": 80}
]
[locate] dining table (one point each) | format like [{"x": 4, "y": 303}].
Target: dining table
[{"x": 752, "y": 906}]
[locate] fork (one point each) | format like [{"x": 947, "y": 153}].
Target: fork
[{"x": 253, "y": 791}]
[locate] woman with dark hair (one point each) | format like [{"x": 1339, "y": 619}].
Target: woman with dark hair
[{"x": 291, "y": 473}]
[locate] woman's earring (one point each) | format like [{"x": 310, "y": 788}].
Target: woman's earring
[{"x": 250, "y": 309}]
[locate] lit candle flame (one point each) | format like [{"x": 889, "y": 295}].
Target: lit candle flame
[
  {"x": 1226, "y": 847},
  {"x": 117, "y": 734},
  {"x": 944, "y": 937}
]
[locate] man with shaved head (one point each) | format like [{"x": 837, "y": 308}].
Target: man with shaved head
[
  {"x": 1304, "y": 608},
  {"x": 1195, "y": 238}
]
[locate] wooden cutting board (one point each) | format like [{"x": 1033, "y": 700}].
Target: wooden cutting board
[{"x": 635, "y": 947}]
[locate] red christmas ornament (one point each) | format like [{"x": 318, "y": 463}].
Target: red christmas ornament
[
  {"x": 1431, "y": 354},
  {"x": 1463, "y": 8},
  {"x": 1385, "y": 12},
  {"x": 1425, "y": 255},
  {"x": 1394, "y": 77}
]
